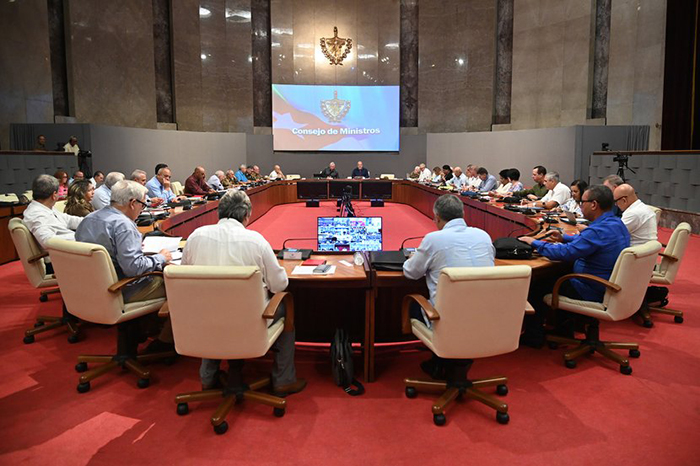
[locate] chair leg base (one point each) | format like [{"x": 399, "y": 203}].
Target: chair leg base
[
  {"x": 594, "y": 345},
  {"x": 468, "y": 388},
  {"x": 110, "y": 363},
  {"x": 677, "y": 315},
  {"x": 231, "y": 396},
  {"x": 46, "y": 323}
]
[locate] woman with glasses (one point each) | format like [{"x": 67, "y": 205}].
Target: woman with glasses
[{"x": 62, "y": 178}]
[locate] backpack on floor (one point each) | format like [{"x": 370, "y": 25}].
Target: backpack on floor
[{"x": 341, "y": 364}]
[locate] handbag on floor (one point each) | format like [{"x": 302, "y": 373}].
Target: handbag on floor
[
  {"x": 512, "y": 248},
  {"x": 342, "y": 366}
]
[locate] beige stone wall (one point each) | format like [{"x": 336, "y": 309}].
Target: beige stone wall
[
  {"x": 636, "y": 73},
  {"x": 298, "y": 26},
  {"x": 25, "y": 66}
]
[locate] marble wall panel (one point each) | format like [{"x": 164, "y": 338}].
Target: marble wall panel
[
  {"x": 111, "y": 72},
  {"x": 57, "y": 43},
  {"x": 409, "y": 63},
  {"x": 388, "y": 17},
  {"x": 599, "y": 86},
  {"x": 480, "y": 32},
  {"x": 163, "y": 60},
  {"x": 551, "y": 70},
  {"x": 215, "y": 63},
  {"x": 305, "y": 43},
  {"x": 25, "y": 81},
  {"x": 187, "y": 65},
  {"x": 261, "y": 51},
  {"x": 503, "y": 76},
  {"x": 636, "y": 65},
  {"x": 239, "y": 66},
  {"x": 282, "y": 41},
  {"x": 367, "y": 51}
]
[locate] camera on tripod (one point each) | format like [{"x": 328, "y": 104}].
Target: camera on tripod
[
  {"x": 346, "y": 208},
  {"x": 622, "y": 161}
]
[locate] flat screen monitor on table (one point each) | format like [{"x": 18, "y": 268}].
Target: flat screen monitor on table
[{"x": 349, "y": 234}]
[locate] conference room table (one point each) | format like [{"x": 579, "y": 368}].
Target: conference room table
[{"x": 324, "y": 302}]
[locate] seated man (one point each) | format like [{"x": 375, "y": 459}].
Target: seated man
[
  {"x": 250, "y": 173},
  {"x": 229, "y": 180},
  {"x": 558, "y": 193},
  {"x": 159, "y": 186},
  {"x": 42, "y": 219},
  {"x": 140, "y": 177},
  {"x": 77, "y": 176},
  {"x": 538, "y": 190},
  {"x": 276, "y": 173},
  {"x": 330, "y": 171},
  {"x": 241, "y": 174},
  {"x": 639, "y": 219},
  {"x": 104, "y": 193},
  {"x": 40, "y": 142},
  {"x": 97, "y": 178},
  {"x": 415, "y": 174},
  {"x": 360, "y": 171},
  {"x": 473, "y": 180},
  {"x": 593, "y": 251},
  {"x": 453, "y": 245},
  {"x": 229, "y": 242},
  {"x": 459, "y": 180},
  {"x": 611, "y": 182},
  {"x": 195, "y": 184},
  {"x": 425, "y": 173},
  {"x": 488, "y": 182},
  {"x": 215, "y": 181},
  {"x": 113, "y": 227}
]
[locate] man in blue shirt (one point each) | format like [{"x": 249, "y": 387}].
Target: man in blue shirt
[
  {"x": 594, "y": 251},
  {"x": 488, "y": 182},
  {"x": 159, "y": 186},
  {"x": 453, "y": 245},
  {"x": 240, "y": 174}
]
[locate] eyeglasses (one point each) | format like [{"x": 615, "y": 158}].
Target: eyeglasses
[
  {"x": 141, "y": 202},
  {"x": 620, "y": 198},
  {"x": 584, "y": 201}
]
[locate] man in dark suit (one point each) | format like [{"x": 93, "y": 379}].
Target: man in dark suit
[
  {"x": 330, "y": 171},
  {"x": 360, "y": 171}
]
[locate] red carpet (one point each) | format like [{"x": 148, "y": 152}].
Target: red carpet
[{"x": 558, "y": 416}]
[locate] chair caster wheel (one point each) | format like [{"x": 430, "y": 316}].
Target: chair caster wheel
[
  {"x": 502, "y": 418},
  {"x": 502, "y": 390},
  {"x": 278, "y": 412},
  {"x": 182, "y": 409},
  {"x": 143, "y": 383},
  {"x": 43, "y": 298},
  {"x": 28, "y": 339},
  {"x": 678, "y": 319},
  {"x": 81, "y": 367},
  {"x": 627, "y": 370},
  {"x": 648, "y": 324},
  {"x": 411, "y": 392},
  {"x": 439, "y": 419},
  {"x": 84, "y": 387},
  {"x": 570, "y": 363},
  {"x": 38, "y": 324},
  {"x": 552, "y": 345},
  {"x": 221, "y": 428},
  {"x": 73, "y": 338},
  {"x": 634, "y": 353}
]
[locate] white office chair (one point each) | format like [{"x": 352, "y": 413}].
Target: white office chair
[
  {"x": 623, "y": 296},
  {"x": 294, "y": 176},
  {"x": 462, "y": 331},
  {"x": 177, "y": 188}
]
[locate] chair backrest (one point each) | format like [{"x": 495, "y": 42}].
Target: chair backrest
[
  {"x": 632, "y": 272},
  {"x": 216, "y": 311},
  {"x": 657, "y": 211},
  {"x": 177, "y": 188},
  {"x": 294, "y": 176},
  {"x": 668, "y": 268},
  {"x": 473, "y": 322},
  {"x": 27, "y": 247},
  {"x": 85, "y": 272},
  {"x": 28, "y": 194},
  {"x": 60, "y": 206},
  {"x": 386, "y": 176}
]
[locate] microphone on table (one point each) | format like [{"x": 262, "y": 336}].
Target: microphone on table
[
  {"x": 284, "y": 244},
  {"x": 408, "y": 239},
  {"x": 294, "y": 254}
]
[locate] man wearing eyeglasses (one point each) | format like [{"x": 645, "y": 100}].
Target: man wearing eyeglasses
[
  {"x": 594, "y": 251},
  {"x": 113, "y": 227},
  {"x": 639, "y": 219}
]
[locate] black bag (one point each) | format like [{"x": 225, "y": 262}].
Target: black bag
[
  {"x": 512, "y": 248},
  {"x": 341, "y": 364}
]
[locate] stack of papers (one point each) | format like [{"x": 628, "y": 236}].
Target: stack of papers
[
  {"x": 154, "y": 244},
  {"x": 309, "y": 270}
]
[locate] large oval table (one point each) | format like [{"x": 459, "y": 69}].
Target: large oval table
[{"x": 323, "y": 303}]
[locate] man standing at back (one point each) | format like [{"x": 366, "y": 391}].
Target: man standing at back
[
  {"x": 229, "y": 242},
  {"x": 453, "y": 245},
  {"x": 639, "y": 219}
]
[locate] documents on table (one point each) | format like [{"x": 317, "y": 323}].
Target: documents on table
[
  {"x": 309, "y": 270},
  {"x": 155, "y": 244}
]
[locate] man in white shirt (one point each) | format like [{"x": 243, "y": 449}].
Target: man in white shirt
[
  {"x": 229, "y": 243},
  {"x": 458, "y": 180},
  {"x": 557, "y": 194},
  {"x": 42, "y": 219},
  {"x": 425, "y": 173},
  {"x": 103, "y": 194},
  {"x": 215, "y": 180},
  {"x": 276, "y": 173},
  {"x": 473, "y": 180},
  {"x": 97, "y": 178},
  {"x": 639, "y": 219},
  {"x": 140, "y": 177},
  {"x": 72, "y": 145}
]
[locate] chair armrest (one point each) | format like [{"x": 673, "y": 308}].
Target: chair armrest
[
  {"x": 117, "y": 287},
  {"x": 669, "y": 257},
  {"x": 164, "y": 310},
  {"x": 41, "y": 255},
  {"x": 557, "y": 285},
  {"x": 430, "y": 311},
  {"x": 275, "y": 302},
  {"x": 528, "y": 308}
]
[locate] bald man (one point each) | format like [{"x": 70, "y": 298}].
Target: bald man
[
  {"x": 196, "y": 183},
  {"x": 639, "y": 219}
]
